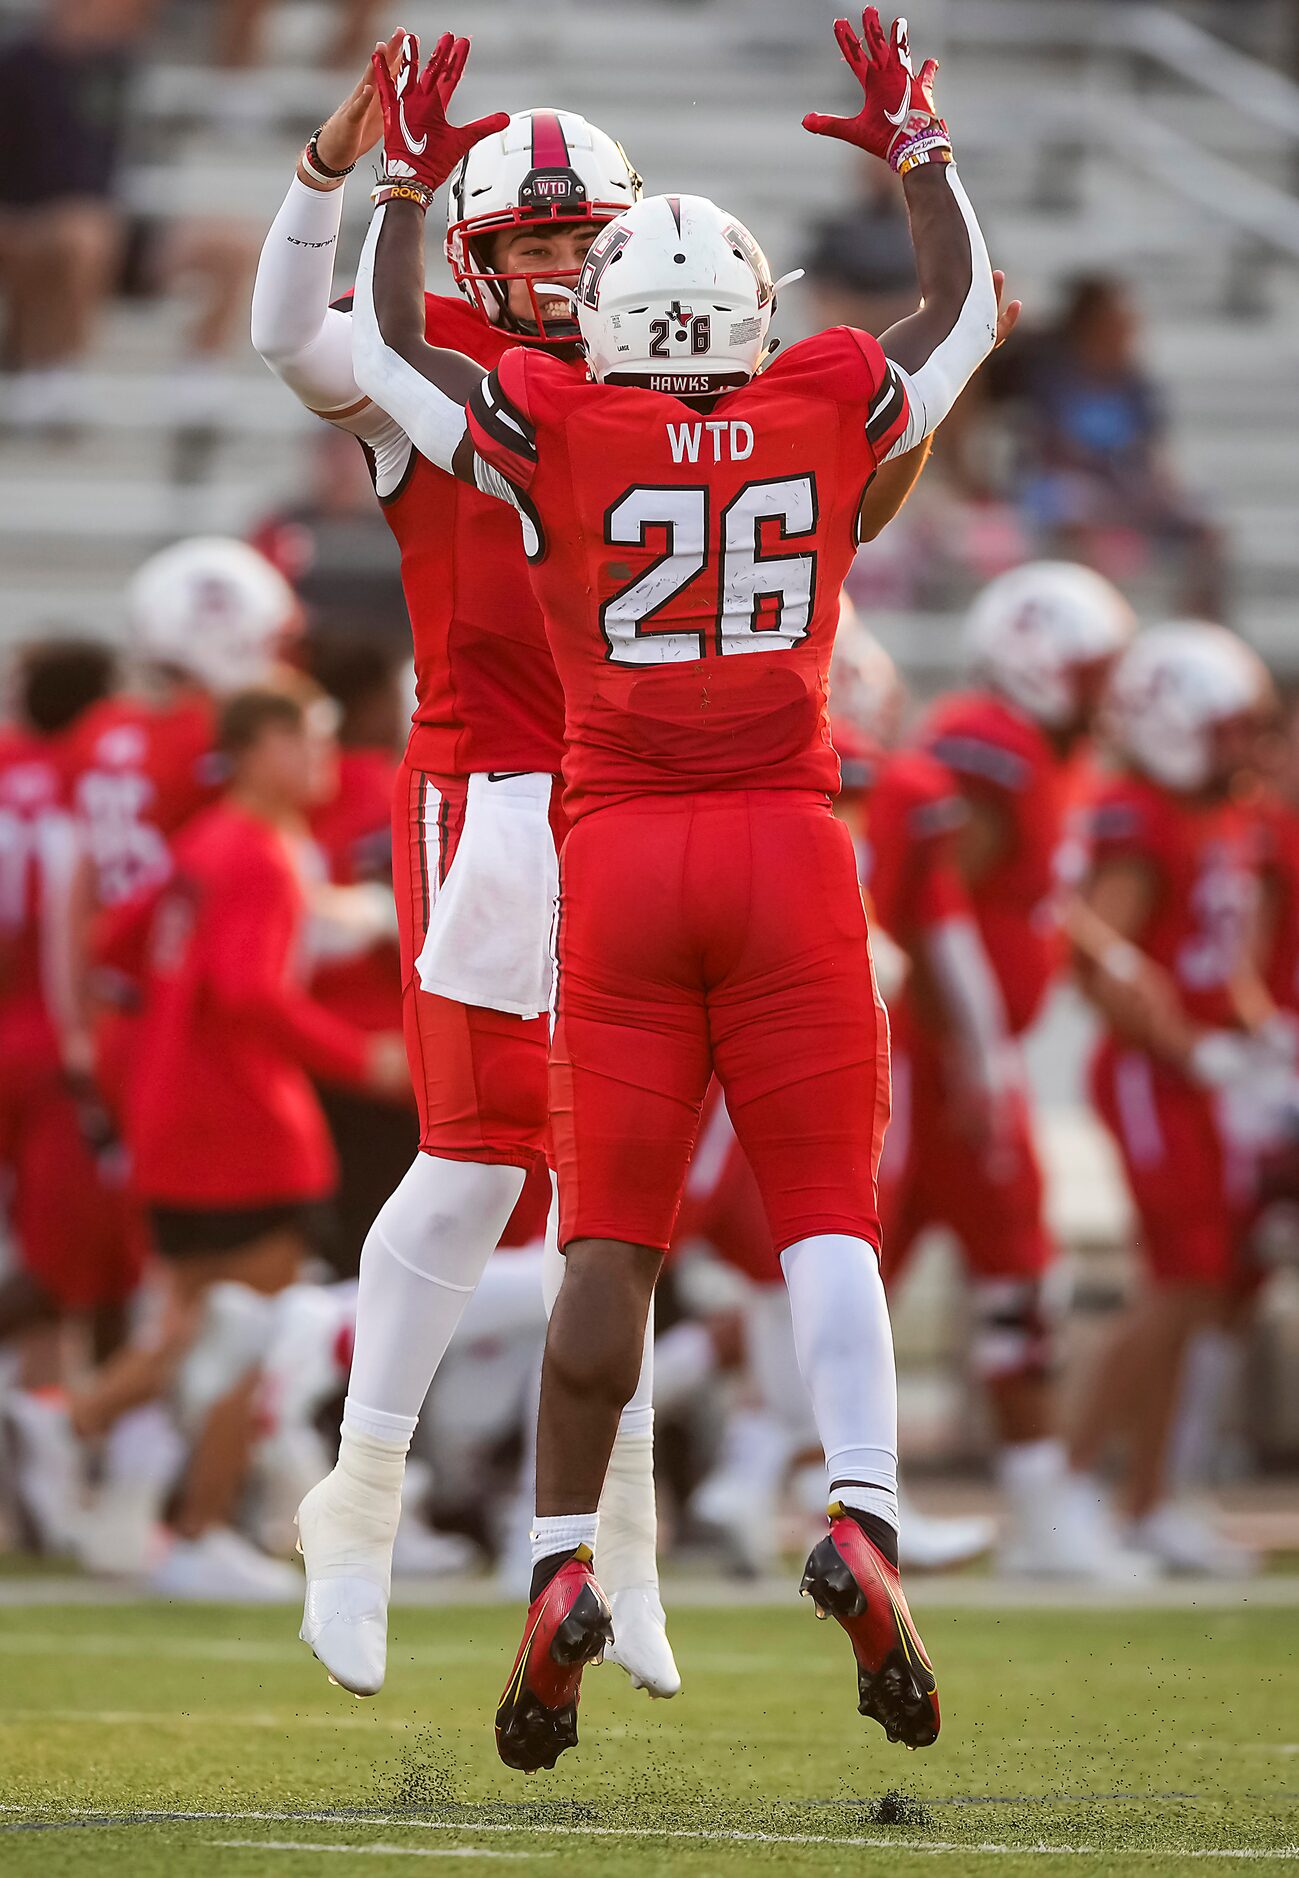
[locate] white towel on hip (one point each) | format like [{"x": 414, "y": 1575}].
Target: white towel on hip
[{"x": 488, "y": 937}]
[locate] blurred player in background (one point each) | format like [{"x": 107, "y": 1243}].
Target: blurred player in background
[
  {"x": 229, "y": 1146},
  {"x": 1185, "y": 1077},
  {"x": 960, "y": 1152},
  {"x": 700, "y": 790},
  {"x": 62, "y": 1164},
  {"x": 473, "y": 848}
]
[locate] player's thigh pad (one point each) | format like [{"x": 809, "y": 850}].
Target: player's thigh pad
[
  {"x": 479, "y": 1075},
  {"x": 799, "y": 1035},
  {"x": 629, "y": 1060}
]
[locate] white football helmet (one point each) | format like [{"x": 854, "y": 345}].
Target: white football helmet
[
  {"x": 545, "y": 167},
  {"x": 1031, "y": 631},
  {"x": 676, "y": 296},
  {"x": 865, "y": 689},
  {"x": 1173, "y": 690},
  {"x": 214, "y": 608}
]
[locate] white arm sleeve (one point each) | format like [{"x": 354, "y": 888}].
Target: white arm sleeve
[
  {"x": 933, "y": 388},
  {"x": 434, "y": 423},
  {"x": 303, "y": 340}
]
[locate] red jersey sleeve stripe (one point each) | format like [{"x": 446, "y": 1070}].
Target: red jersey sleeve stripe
[
  {"x": 887, "y": 413},
  {"x": 500, "y": 432}
]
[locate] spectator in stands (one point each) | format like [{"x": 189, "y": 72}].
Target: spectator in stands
[
  {"x": 1094, "y": 479},
  {"x": 66, "y": 242},
  {"x": 336, "y": 551},
  {"x": 861, "y": 265},
  {"x": 239, "y": 32}
]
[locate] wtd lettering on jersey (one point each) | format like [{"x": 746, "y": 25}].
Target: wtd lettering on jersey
[{"x": 731, "y": 438}]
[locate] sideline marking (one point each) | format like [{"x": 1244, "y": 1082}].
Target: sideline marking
[{"x": 936, "y": 1847}]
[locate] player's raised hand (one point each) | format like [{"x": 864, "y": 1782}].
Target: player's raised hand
[
  {"x": 355, "y": 126},
  {"x": 898, "y": 110},
  {"x": 418, "y": 140},
  {"x": 1007, "y": 314}
]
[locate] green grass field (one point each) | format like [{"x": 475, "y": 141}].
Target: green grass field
[{"x": 1074, "y": 1741}]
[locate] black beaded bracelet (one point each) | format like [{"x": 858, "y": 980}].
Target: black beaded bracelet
[{"x": 318, "y": 164}]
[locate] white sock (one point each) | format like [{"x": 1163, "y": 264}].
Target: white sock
[
  {"x": 562, "y": 1532},
  {"x": 845, "y": 1351},
  {"x": 628, "y": 1512},
  {"x": 1209, "y": 1370},
  {"x": 421, "y": 1262}
]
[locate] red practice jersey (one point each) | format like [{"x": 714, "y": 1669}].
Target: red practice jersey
[
  {"x": 31, "y": 787},
  {"x": 227, "y": 1116},
  {"x": 487, "y": 697},
  {"x": 1000, "y": 758},
  {"x": 912, "y": 875},
  {"x": 137, "y": 772},
  {"x": 665, "y": 546},
  {"x": 354, "y": 834},
  {"x": 1203, "y": 858}
]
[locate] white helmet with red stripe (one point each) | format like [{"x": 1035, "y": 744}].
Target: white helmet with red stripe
[
  {"x": 214, "y": 608},
  {"x": 865, "y": 689},
  {"x": 676, "y": 296},
  {"x": 1034, "y": 632},
  {"x": 1175, "y": 692},
  {"x": 544, "y": 168}
]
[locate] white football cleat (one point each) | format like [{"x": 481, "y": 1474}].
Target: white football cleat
[
  {"x": 929, "y": 1543},
  {"x": 1069, "y": 1532},
  {"x": 640, "y": 1641},
  {"x": 47, "y": 1475},
  {"x": 1182, "y": 1541},
  {"x": 346, "y": 1542},
  {"x": 221, "y": 1566}
]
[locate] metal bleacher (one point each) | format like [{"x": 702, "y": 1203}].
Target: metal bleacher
[{"x": 1088, "y": 135}]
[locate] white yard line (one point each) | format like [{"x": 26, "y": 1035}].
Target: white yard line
[
  {"x": 374, "y": 1851},
  {"x": 207, "y": 1649},
  {"x": 168, "y": 1718},
  {"x": 520, "y": 1829}
]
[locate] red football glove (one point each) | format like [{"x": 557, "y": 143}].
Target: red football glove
[
  {"x": 898, "y": 120},
  {"x": 418, "y": 142}
]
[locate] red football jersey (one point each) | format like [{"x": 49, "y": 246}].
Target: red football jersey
[
  {"x": 227, "y": 1116},
  {"x": 31, "y": 787},
  {"x": 487, "y": 697},
  {"x": 137, "y": 771},
  {"x": 663, "y": 544},
  {"x": 912, "y": 875},
  {"x": 1204, "y": 860},
  {"x": 996, "y": 756},
  {"x": 354, "y": 833}
]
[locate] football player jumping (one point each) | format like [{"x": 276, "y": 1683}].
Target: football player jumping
[
  {"x": 689, "y": 521},
  {"x": 474, "y": 850}
]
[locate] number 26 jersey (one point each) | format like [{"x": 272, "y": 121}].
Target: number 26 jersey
[{"x": 689, "y": 563}]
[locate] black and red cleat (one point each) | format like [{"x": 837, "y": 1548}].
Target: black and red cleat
[
  {"x": 848, "y": 1578},
  {"x": 568, "y": 1627}
]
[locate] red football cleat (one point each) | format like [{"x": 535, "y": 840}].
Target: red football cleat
[
  {"x": 568, "y": 1627},
  {"x": 848, "y": 1578}
]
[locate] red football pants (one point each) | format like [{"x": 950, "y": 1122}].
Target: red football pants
[
  {"x": 934, "y": 1175},
  {"x": 721, "y": 932},
  {"x": 479, "y": 1075}
]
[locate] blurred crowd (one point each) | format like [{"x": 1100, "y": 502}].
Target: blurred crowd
[{"x": 200, "y": 1022}]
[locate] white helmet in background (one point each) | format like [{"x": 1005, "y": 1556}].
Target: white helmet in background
[
  {"x": 544, "y": 168},
  {"x": 676, "y": 296},
  {"x": 1031, "y": 633},
  {"x": 214, "y": 608},
  {"x": 865, "y": 689},
  {"x": 1171, "y": 693}
]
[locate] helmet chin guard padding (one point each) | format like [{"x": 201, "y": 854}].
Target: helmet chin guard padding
[
  {"x": 676, "y": 296},
  {"x": 545, "y": 169}
]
